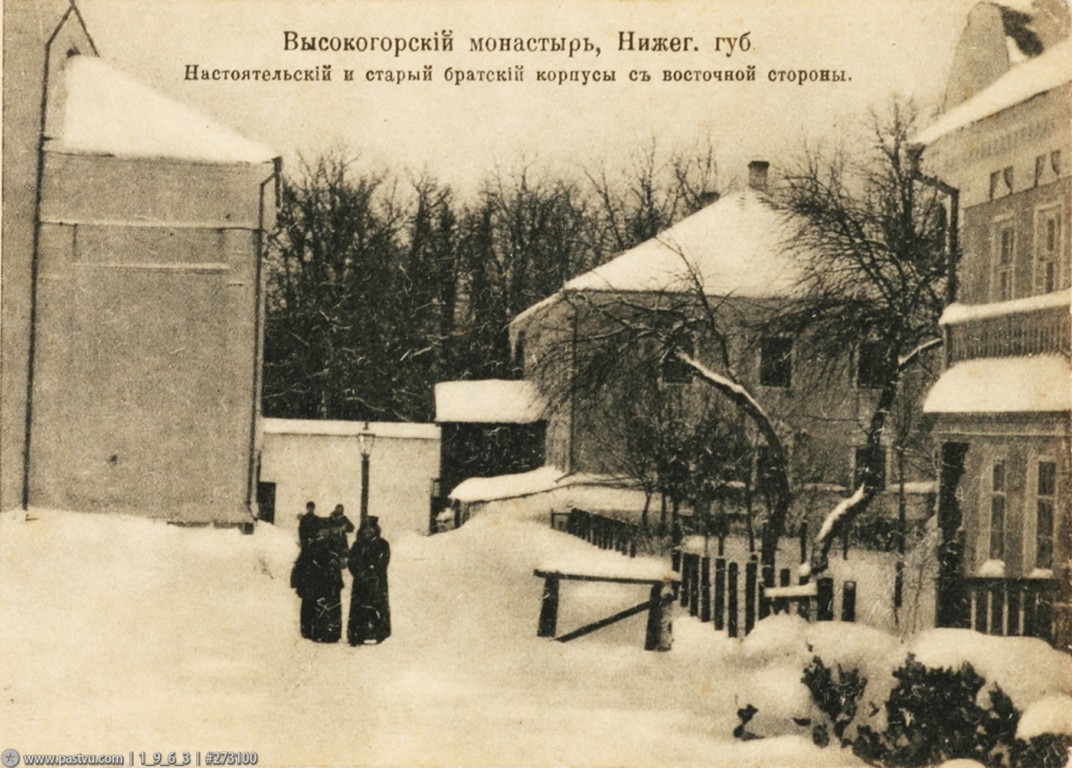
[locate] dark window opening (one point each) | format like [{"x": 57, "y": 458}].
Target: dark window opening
[
  {"x": 871, "y": 364},
  {"x": 1044, "y": 505},
  {"x": 997, "y": 511},
  {"x": 776, "y": 361},
  {"x": 860, "y": 467}
]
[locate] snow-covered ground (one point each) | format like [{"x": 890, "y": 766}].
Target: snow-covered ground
[{"x": 124, "y": 635}]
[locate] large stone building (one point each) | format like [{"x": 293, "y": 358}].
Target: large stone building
[
  {"x": 132, "y": 301},
  {"x": 1002, "y": 405},
  {"x": 735, "y": 251}
]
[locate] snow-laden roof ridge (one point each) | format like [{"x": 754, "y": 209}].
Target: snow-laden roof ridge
[
  {"x": 1050, "y": 69},
  {"x": 962, "y": 313},
  {"x": 489, "y": 401},
  {"x": 1027, "y": 384},
  {"x": 108, "y": 112},
  {"x": 735, "y": 245}
]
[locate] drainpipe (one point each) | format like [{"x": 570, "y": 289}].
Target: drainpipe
[
  {"x": 31, "y": 347},
  {"x": 915, "y": 155},
  {"x": 258, "y": 324}
]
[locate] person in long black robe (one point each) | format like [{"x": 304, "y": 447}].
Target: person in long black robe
[
  {"x": 318, "y": 582},
  {"x": 309, "y": 524},
  {"x": 370, "y": 611}
]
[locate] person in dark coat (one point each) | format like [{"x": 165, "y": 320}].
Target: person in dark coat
[
  {"x": 318, "y": 582},
  {"x": 340, "y": 526},
  {"x": 370, "y": 612},
  {"x": 309, "y": 525}
]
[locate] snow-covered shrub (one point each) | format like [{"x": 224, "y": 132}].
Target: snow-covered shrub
[
  {"x": 836, "y": 696},
  {"x": 933, "y": 714}
]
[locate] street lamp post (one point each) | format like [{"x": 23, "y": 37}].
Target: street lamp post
[{"x": 365, "y": 441}]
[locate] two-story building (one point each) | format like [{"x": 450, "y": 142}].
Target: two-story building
[
  {"x": 132, "y": 303},
  {"x": 1001, "y": 408},
  {"x": 734, "y": 252}
]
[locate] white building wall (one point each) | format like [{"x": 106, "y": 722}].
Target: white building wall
[{"x": 319, "y": 461}]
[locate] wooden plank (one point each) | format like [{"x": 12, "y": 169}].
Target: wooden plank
[
  {"x": 549, "y": 607},
  {"x": 705, "y": 589},
  {"x": 982, "y": 612},
  {"x": 588, "y": 629},
  {"x": 731, "y": 589},
  {"x": 609, "y": 579},
  {"x": 751, "y": 571},
  {"x": 997, "y": 609},
  {"x": 782, "y": 605},
  {"x": 1013, "y": 611},
  {"x": 720, "y": 593}
]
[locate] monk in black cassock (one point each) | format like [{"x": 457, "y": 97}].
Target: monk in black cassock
[
  {"x": 317, "y": 579},
  {"x": 309, "y": 525},
  {"x": 340, "y": 526},
  {"x": 370, "y": 613}
]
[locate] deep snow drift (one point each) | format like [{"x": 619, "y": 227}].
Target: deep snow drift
[{"x": 125, "y": 635}]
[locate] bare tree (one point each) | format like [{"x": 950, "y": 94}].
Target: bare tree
[{"x": 873, "y": 245}]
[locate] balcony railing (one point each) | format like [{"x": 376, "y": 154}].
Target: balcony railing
[{"x": 1039, "y": 331}]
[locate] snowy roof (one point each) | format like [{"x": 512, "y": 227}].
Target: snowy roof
[
  {"x": 1042, "y": 73},
  {"x": 962, "y": 313},
  {"x": 490, "y": 401},
  {"x": 387, "y": 429},
  {"x": 736, "y": 245},
  {"x": 507, "y": 486},
  {"x": 540, "y": 480},
  {"x": 1040, "y": 383},
  {"x": 107, "y": 112}
]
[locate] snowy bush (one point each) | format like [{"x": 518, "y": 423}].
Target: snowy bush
[{"x": 933, "y": 714}]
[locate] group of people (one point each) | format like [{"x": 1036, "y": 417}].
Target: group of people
[{"x": 317, "y": 577}]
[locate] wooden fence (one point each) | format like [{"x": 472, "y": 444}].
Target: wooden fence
[
  {"x": 603, "y": 532},
  {"x": 735, "y": 598},
  {"x": 1011, "y": 607},
  {"x": 716, "y": 590}
]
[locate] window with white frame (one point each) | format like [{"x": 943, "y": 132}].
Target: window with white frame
[
  {"x": 996, "y": 530},
  {"x": 1047, "y": 247},
  {"x": 1045, "y": 504},
  {"x": 1004, "y": 250}
]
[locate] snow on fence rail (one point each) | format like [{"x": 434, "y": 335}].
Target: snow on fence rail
[
  {"x": 721, "y": 603},
  {"x": 719, "y": 594}
]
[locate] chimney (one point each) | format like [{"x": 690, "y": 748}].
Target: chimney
[{"x": 757, "y": 175}]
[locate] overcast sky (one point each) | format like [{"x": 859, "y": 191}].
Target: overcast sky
[{"x": 461, "y": 131}]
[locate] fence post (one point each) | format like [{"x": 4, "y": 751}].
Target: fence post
[
  {"x": 549, "y": 607},
  {"x": 686, "y": 577},
  {"x": 751, "y": 570},
  {"x": 694, "y": 587},
  {"x": 1044, "y": 616},
  {"x": 782, "y": 605},
  {"x": 825, "y": 598},
  {"x": 731, "y": 624},
  {"x": 768, "y": 581},
  {"x": 720, "y": 593},
  {"x": 997, "y": 609},
  {"x": 1013, "y": 601},
  {"x": 898, "y": 585},
  {"x": 705, "y": 588},
  {"x": 848, "y": 601},
  {"x": 982, "y": 612}
]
